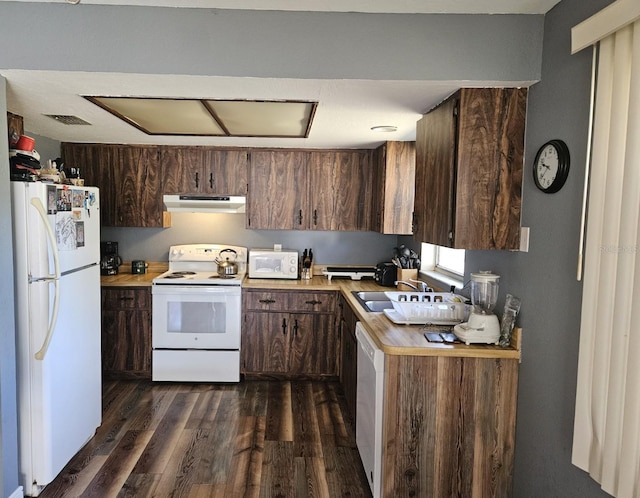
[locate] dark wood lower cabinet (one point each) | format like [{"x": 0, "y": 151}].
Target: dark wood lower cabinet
[
  {"x": 289, "y": 334},
  {"x": 126, "y": 332},
  {"x": 449, "y": 426},
  {"x": 348, "y": 354}
]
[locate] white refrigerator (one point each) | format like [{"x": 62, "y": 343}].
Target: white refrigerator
[{"x": 56, "y": 236}]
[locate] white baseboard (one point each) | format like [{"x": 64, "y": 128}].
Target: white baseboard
[{"x": 18, "y": 493}]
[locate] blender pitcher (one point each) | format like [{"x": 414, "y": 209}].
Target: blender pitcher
[{"x": 483, "y": 326}]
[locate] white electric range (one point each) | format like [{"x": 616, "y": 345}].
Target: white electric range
[{"x": 196, "y": 315}]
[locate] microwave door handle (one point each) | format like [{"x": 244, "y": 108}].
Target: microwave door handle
[{"x": 53, "y": 278}]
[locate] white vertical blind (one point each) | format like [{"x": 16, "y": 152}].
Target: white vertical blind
[{"x": 607, "y": 418}]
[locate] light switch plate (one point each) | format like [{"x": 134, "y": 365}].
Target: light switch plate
[{"x": 524, "y": 239}]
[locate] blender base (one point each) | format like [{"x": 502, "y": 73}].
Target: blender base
[{"x": 480, "y": 329}]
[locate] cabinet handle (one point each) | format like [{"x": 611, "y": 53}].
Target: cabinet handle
[
  {"x": 295, "y": 328},
  {"x": 211, "y": 180},
  {"x": 300, "y": 217},
  {"x": 267, "y": 301},
  {"x": 315, "y": 216},
  {"x": 414, "y": 217},
  {"x": 197, "y": 180},
  {"x": 284, "y": 326},
  {"x": 126, "y": 299},
  {"x": 313, "y": 302}
]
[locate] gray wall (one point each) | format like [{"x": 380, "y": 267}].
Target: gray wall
[
  {"x": 347, "y": 248},
  {"x": 545, "y": 277},
  {"x": 8, "y": 407},
  {"x": 270, "y": 44}
]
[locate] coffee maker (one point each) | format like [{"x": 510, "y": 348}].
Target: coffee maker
[{"x": 109, "y": 259}]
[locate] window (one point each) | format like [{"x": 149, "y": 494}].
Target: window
[
  {"x": 450, "y": 260},
  {"x": 442, "y": 266}
]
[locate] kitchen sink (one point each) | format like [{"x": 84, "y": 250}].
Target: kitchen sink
[{"x": 373, "y": 301}]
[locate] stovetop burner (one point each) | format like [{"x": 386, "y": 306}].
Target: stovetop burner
[{"x": 197, "y": 264}]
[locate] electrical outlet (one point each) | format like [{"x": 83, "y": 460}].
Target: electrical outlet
[
  {"x": 277, "y": 247},
  {"x": 524, "y": 239}
]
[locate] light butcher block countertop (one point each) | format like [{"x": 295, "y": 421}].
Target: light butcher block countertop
[
  {"x": 126, "y": 279},
  {"x": 391, "y": 338}
]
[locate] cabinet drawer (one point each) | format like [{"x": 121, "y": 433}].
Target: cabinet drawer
[
  {"x": 265, "y": 300},
  {"x": 126, "y": 299},
  {"x": 318, "y": 302}
]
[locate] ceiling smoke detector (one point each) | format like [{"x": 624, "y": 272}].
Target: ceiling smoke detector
[
  {"x": 384, "y": 128},
  {"x": 68, "y": 119}
]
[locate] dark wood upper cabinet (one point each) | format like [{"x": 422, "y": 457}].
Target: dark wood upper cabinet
[
  {"x": 278, "y": 189},
  {"x": 469, "y": 163},
  {"x": 394, "y": 167},
  {"x": 203, "y": 170},
  {"x": 340, "y": 190},
  {"x": 309, "y": 190},
  {"x": 129, "y": 180}
]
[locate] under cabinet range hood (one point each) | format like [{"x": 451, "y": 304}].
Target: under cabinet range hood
[{"x": 204, "y": 203}]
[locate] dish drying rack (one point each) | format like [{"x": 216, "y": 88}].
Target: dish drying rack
[{"x": 419, "y": 308}]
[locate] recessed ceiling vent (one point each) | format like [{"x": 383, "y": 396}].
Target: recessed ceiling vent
[
  {"x": 67, "y": 119},
  {"x": 210, "y": 117}
]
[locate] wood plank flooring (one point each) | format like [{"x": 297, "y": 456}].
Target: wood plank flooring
[{"x": 258, "y": 439}]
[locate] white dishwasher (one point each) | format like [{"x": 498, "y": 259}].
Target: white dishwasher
[{"x": 369, "y": 404}]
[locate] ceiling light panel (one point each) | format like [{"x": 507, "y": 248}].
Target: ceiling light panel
[
  {"x": 162, "y": 116},
  {"x": 264, "y": 119},
  {"x": 195, "y": 117}
]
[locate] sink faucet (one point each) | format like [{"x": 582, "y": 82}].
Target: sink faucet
[{"x": 423, "y": 286}]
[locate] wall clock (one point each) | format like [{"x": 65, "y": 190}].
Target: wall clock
[{"x": 551, "y": 166}]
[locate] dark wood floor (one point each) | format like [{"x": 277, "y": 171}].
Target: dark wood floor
[{"x": 253, "y": 439}]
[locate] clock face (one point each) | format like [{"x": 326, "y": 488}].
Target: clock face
[
  {"x": 547, "y": 169},
  {"x": 551, "y": 166}
]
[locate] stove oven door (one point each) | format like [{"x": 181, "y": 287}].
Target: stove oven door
[{"x": 196, "y": 317}]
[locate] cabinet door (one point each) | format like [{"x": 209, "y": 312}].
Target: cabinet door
[
  {"x": 203, "y": 170},
  {"x": 314, "y": 345},
  {"x": 399, "y": 186},
  {"x": 265, "y": 342},
  {"x": 225, "y": 171},
  {"x": 435, "y": 174},
  {"x": 340, "y": 189},
  {"x": 348, "y": 355},
  {"x": 94, "y": 162},
  {"x": 182, "y": 169},
  {"x": 139, "y": 192},
  {"x": 126, "y": 344},
  {"x": 489, "y": 172},
  {"x": 278, "y": 190},
  {"x": 126, "y": 332}
]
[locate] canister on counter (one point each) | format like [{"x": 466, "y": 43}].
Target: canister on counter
[{"x": 138, "y": 267}]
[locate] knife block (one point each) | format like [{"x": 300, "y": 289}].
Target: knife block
[{"x": 406, "y": 275}]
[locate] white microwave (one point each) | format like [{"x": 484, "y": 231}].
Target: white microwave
[{"x": 267, "y": 263}]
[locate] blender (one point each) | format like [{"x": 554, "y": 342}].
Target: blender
[{"x": 483, "y": 326}]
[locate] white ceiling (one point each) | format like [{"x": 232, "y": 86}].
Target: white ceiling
[
  {"x": 346, "y": 111},
  {"x": 379, "y": 6}
]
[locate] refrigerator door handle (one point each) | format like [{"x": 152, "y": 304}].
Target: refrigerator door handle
[{"x": 54, "y": 278}]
